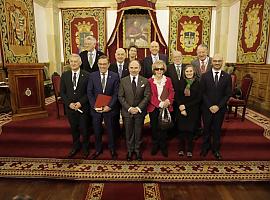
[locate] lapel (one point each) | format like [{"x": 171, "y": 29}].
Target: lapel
[
  {"x": 139, "y": 84},
  {"x": 81, "y": 77},
  {"x": 108, "y": 82},
  {"x": 129, "y": 85}
]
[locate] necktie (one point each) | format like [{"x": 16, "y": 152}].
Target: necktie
[
  {"x": 103, "y": 81},
  {"x": 178, "y": 71},
  {"x": 216, "y": 79},
  {"x": 202, "y": 67},
  {"x": 74, "y": 80},
  {"x": 90, "y": 59},
  {"x": 155, "y": 59},
  {"x": 120, "y": 69},
  {"x": 134, "y": 85}
]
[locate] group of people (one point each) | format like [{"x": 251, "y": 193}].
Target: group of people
[{"x": 192, "y": 93}]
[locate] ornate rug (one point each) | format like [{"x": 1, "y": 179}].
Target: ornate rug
[{"x": 146, "y": 171}]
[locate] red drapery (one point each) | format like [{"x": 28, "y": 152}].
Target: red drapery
[{"x": 116, "y": 39}]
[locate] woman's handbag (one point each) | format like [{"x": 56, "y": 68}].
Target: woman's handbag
[{"x": 164, "y": 119}]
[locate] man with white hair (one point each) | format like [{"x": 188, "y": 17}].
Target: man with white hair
[
  {"x": 90, "y": 56},
  {"x": 73, "y": 90}
]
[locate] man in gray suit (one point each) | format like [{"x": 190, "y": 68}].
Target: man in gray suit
[
  {"x": 203, "y": 62},
  {"x": 134, "y": 94}
]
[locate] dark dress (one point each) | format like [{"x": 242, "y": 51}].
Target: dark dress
[{"x": 188, "y": 123}]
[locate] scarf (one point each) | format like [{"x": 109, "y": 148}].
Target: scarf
[{"x": 187, "y": 89}]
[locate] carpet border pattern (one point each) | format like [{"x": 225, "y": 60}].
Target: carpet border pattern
[{"x": 146, "y": 171}]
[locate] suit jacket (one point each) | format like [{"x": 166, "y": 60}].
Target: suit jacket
[
  {"x": 85, "y": 63},
  {"x": 196, "y": 64},
  {"x": 154, "y": 101},
  {"x": 94, "y": 88},
  {"x": 114, "y": 68},
  {"x": 171, "y": 72},
  {"x": 147, "y": 64},
  {"x": 69, "y": 95},
  {"x": 212, "y": 95},
  {"x": 127, "y": 98}
]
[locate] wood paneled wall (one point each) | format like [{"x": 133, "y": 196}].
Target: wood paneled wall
[{"x": 260, "y": 92}]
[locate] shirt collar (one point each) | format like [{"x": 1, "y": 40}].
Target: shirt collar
[
  {"x": 106, "y": 73},
  {"x": 93, "y": 52},
  {"x": 77, "y": 72}
]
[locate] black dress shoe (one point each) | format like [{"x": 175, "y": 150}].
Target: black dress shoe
[
  {"x": 113, "y": 154},
  {"x": 204, "y": 153},
  {"x": 95, "y": 155},
  {"x": 129, "y": 156},
  {"x": 72, "y": 153},
  {"x": 85, "y": 154},
  {"x": 139, "y": 156},
  {"x": 154, "y": 150},
  {"x": 218, "y": 155}
]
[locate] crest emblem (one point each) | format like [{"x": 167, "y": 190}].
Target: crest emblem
[
  {"x": 18, "y": 21},
  {"x": 252, "y": 25},
  {"x": 189, "y": 36},
  {"x": 84, "y": 30}
]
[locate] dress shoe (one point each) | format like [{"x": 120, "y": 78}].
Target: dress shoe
[
  {"x": 204, "y": 153},
  {"x": 72, "y": 153},
  {"x": 113, "y": 154},
  {"x": 164, "y": 152},
  {"x": 189, "y": 154},
  {"x": 181, "y": 153},
  {"x": 139, "y": 156},
  {"x": 96, "y": 155},
  {"x": 154, "y": 150},
  {"x": 85, "y": 154},
  {"x": 129, "y": 156},
  {"x": 217, "y": 155}
]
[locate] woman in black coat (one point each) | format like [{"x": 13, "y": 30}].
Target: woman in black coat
[{"x": 187, "y": 97}]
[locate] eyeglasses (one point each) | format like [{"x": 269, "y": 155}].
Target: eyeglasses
[{"x": 159, "y": 69}]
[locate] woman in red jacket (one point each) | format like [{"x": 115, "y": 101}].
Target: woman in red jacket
[{"x": 160, "y": 85}]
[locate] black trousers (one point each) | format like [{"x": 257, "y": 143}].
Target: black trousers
[
  {"x": 185, "y": 138},
  {"x": 159, "y": 137}
]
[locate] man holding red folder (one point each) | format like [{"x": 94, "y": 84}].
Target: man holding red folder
[{"x": 103, "y": 88}]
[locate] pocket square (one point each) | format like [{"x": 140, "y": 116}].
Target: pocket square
[{"x": 142, "y": 85}]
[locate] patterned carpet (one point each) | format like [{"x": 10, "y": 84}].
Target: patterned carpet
[{"x": 146, "y": 171}]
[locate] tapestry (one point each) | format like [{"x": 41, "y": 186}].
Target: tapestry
[
  {"x": 80, "y": 23},
  {"x": 253, "y": 35},
  {"x": 18, "y": 31},
  {"x": 189, "y": 27}
]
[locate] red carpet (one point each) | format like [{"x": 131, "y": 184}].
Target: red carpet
[{"x": 50, "y": 137}]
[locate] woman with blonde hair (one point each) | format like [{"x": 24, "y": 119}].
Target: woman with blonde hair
[{"x": 162, "y": 96}]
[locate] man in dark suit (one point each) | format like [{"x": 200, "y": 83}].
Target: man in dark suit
[
  {"x": 203, "y": 62},
  {"x": 149, "y": 60},
  {"x": 90, "y": 55},
  {"x": 175, "y": 72},
  {"x": 120, "y": 66},
  {"x": 73, "y": 90},
  {"x": 216, "y": 88},
  {"x": 134, "y": 94},
  {"x": 107, "y": 83}
]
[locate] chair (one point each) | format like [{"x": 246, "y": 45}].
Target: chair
[
  {"x": 56, "y": 89},
  {"x": 242, "y": 101}
]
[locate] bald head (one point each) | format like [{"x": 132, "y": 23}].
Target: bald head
[
  {"x": 120, "y": 55},
  {"x": 217, "y": 61},
  {"x": 154, "y": 48}
]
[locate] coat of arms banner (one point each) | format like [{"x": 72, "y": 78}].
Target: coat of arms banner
[
  {"x": 80, "y": 23},
  {"x": 253, "y": 36},
  {"x": 18, "y": 31},
  {"x": 189, "y": 27}
]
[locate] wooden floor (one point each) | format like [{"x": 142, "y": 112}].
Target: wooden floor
[{"x": 76, "y": 190}]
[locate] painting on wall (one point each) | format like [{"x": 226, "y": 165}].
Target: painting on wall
[
  {"x": 18, "y": 31},
  {"x": 136, "y": 31},
  {"x": 189, "y": 27},
  {"x": 253, "y": 35},
  {"x": 80, "y": 23}
]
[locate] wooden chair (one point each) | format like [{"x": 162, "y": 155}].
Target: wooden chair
[
  {"x": 56, "y": 89},
  {"x": 242, "y": 101}
]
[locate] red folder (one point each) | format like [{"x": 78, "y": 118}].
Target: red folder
[{"x": 102, "y": 100}]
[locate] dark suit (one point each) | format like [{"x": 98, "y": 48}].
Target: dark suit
[
  {"x": 214, "y": 95},
  {"x": 85, "y": 62},
  {"x": 94, "y": 88},
  {"x": 171, "y": 72},
  {"x": 76, "y": 119},
  {"x": 134, "y": 123},
  {"x": 196, "y": 64},
  {"x": 147, "y": 64},
  {"x": 114, "y": 68}
]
